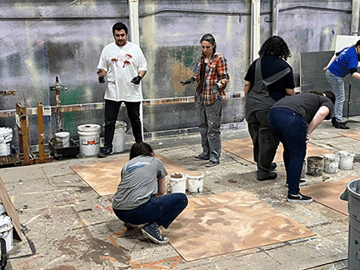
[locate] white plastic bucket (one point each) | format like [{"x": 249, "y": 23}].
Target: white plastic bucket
[
  {"x": 64, "y": 138},
  {"x": 346, "y": 160},
  {"x": 6, "y": 231},
  {"x": 195, "y": 182},
  {"x": 331, "y": 163},
  {"x": 119, "y": 137},
  {"x": 5, "y": 141},
  {"x": 89, "y": 138},
  {"x": 177, "y": 183}
]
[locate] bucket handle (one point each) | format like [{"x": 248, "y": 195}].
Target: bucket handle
[{"x": 3, "y": 261}]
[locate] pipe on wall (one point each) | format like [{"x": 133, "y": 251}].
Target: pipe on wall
[
  {"x": 255, "y": 29},
  {"x": 355, "y": 17},
  {"x": 275, "y": 17},
  {"x": 135, "y": 38}
]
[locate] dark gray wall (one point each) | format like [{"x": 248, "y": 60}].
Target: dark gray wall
[
  {"x": 44, "y": 39},
  {"x": 313, "y": 79}
]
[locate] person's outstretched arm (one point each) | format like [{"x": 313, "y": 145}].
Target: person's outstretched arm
[{"x": 318, "y": 118}]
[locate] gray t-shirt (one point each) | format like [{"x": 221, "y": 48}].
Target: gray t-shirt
[
  {"x": 139, "y": 181},
  {"x": 305, "y": 105}
]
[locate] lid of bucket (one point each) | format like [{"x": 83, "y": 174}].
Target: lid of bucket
[
  {"x": 5, "y": 130},
  {"x": 120, "y": 124},
  {"x": 88, "y": 128},
  {"x": 6, "y": 133},
  {"x": 5, "y": 223},
  {"x": 346, "y": 153},
  {"x": 63, "y": 134},
  {"x": 2, "y": 209},
  {"x": 195, "y": 173}
]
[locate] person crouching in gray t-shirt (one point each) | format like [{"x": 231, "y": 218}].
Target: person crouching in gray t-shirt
[{"x": 140, "y": 198}]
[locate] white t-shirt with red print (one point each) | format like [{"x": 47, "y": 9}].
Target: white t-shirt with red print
[{"x": 122, "y": 64}]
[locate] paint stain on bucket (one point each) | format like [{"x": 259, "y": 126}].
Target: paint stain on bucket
[
  {"x": 177, "y": 182},
  {"x": 331, "y": 163},
  {"x": 346, "y": 160},
  {"x": 315, "y": 165}
]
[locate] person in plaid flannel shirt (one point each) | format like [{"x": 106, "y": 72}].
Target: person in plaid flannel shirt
[{"x": 212, "y": 78}]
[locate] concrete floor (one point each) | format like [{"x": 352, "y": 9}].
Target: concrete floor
[{"x": 68, "y": 226}]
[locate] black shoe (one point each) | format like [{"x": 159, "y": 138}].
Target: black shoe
[
  {"x": 341, "y": 125},
  {"x": 299, "y": 198},
  {"x": 212, "y": 163},
  {"x": 273, "y": 166},
  {"x": 198, "y": 158},
  {"x": 333, "y": 121},
  {"x": 152, "y": 231},
  {"x": 272, "y": 176},
  {"x": 106, "y": 151}
]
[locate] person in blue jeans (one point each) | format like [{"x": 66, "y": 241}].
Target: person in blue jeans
[
  {"x": 140, "y": 198},
  {"x": 341, "y": 64},
  {"x": 293, "y": 119}
]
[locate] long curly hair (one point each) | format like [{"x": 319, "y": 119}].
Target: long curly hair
[{"x": 277, "y": 46}]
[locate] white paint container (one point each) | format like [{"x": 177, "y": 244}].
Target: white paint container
[
  {"x": 6, "y": 231},
  {"x": 119, "y": 137},
  {"x": 331, "y": 163},
  {"x": 177, "y": 183},
  {"x": 6, "y": 135},
  {"x": 89, "y": 138},
  {"x": 195, "y": 182},
  {"x": 346, "y": 160},
  {"x": 63, "y": 138}
]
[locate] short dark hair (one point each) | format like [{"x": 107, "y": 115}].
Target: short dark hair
[
  {"x": 357, "y": 43},
  {"x": 119, "y": 26},
  {"x": 140, "y": 149},
  {"x": 277, "y": 46},
  {"x": 330, "y": 95},
  {"x": 209, "y": 38}
]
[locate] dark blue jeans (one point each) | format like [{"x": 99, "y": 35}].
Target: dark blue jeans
[
  {"x": 163, "y": 210},
  {"x": 291, "y": 130},
  {"x": 111, "y": 112}
]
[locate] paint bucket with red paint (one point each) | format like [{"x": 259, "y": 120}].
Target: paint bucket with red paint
[{"x": 89, "y": 139}]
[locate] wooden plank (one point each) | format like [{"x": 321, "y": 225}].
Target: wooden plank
[{"x": 10, "y": 210}]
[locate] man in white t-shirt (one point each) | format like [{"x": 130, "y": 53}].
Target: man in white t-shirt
[{"x": 124, "y": 64}]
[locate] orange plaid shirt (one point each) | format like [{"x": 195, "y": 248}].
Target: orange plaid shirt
[{"x": 216, "y": 72}]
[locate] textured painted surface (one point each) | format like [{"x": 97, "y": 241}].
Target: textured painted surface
[
  {"x": 228, "y": 222},
  {"x": 41, "y": 40},
  {"x": 328, "y": 193},
  {"x": 244, "y": 148},
  {"x": 105, "y": 176}
]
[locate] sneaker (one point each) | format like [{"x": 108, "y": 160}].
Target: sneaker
[
  {"x": 299, "y": 198},
  {"x": 152, "y": 231},
  {"x": 106, "y": 151},
  {"x": 272, "y": 176},
  {"x": 273, "y": 166},
  {"x": 198, "y": 158},
  {"x": 301, "y": 183},
  {"x": 212, "y": 163}
]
